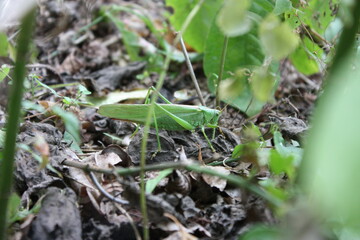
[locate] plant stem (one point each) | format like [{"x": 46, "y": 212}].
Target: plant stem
[
  {"x": 149, "y": 116},
  {"x": 191, "y": 70},
  {"x": 12, "y": 125},
  {"x": 221, "y": 71}
]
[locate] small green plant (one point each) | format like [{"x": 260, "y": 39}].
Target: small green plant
[
  {"x": 256, "y": 35},
  {"x": 18, "y": 212},
  {"x": 68, "y": 101}
]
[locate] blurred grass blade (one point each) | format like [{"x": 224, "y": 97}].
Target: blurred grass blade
[
  {"x": 331, "y": 166},
  {"x": 14, "y": 107}
]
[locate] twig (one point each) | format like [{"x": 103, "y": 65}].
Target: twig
[
  {"x": 103, "y": 191},
  {"x": 232, "y": 179},
  {"x": 221, "y": 71},
  {"x": 191, "y": 70},
  {"x": 46, "y": 66}
]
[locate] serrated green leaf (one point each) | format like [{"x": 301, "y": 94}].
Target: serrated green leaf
[
  {"x": 198, "y": 29},
  {"x": 282, "y": 6},
  {"x": 277, "y": 38},
  {"x": 234, "y": 19}
]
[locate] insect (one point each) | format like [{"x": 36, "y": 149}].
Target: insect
[{"x": 167, "y": 116}]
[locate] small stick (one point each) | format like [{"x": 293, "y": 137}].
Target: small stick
[
  {"x": 221, "y": 70},
  {"x": 231, "y": 179},
  {"x": 191, "y": 70},
  {"x": 104, "y": 192}
]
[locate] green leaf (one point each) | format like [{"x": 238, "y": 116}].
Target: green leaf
[
  {"x": 28, "y": 105},
  {"x": 71, "y": 122},
  {"x": 83, "y": 90},
  {"x": 316, "y": 14},
  {"x": 69, "y": 139},
  {"x": 285, "y": 150},
  {"x": 294, "y": 17},
  {"x": 243, "y": 52},
  {"x": 234, "y": 19},
  {"x": 233, "y": 87},
  {"x": 280, "y": 163},
  {"x": 282, "y": 6},
  {"x": 46, "y": 86},
  {"x": 152, "y": 183},
  {"x": 4, "y": 72},
  {"x": 198, "y": 29},
  {"x": 277, "y": 38},
  {"x": 272, "y": 187},
  {"x": 68, "y": 101},
  {"x": 17, "y": 213},
  {"x": 306, "y": 57},
  {"x": 4, "y": 45},
  {"x": 262, "y": 84},
  {"x": 319, "y": 14},
  {"x": 303, "y": 62},
  {"x": 243, "y": 149},
  {"x": 14, "y": 205},
  {"x": 262, "y": 232}
]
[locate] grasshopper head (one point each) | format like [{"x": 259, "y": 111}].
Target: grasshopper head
[{"x": 211, "y": 117}]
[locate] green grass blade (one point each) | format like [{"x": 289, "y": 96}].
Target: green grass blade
[{"x": 7, "y": 163}]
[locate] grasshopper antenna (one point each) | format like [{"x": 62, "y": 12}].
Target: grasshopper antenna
[{"x": 191, "y": 70}]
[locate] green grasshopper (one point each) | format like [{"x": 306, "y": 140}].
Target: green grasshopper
[{"x": 167, "y": 116}]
